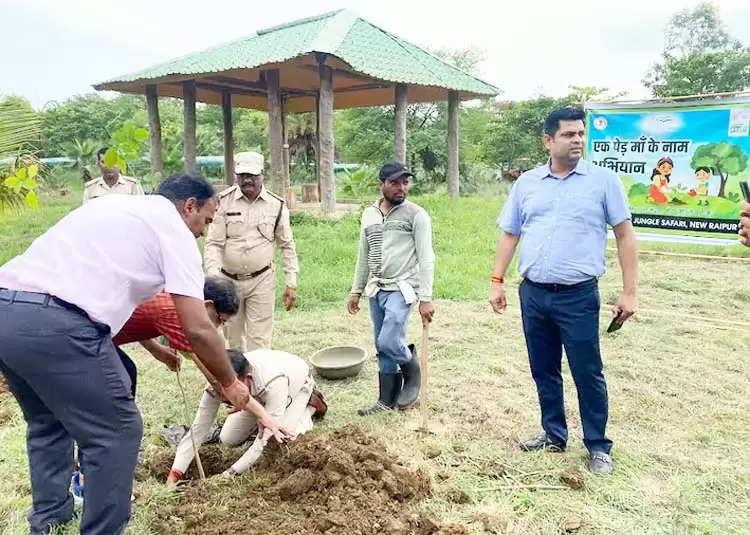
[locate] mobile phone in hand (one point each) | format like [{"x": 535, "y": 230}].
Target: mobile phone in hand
[
  {"x": 616, "y": 323},
  {"x": 745, "y": 191}
]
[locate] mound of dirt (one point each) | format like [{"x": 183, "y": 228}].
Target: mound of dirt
[
  {"x": 157, "y": 463},
  {"x": 337, "y": 483}
]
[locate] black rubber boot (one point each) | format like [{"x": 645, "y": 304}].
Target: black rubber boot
[
  {"x": 412, "y": 381},
  {"x": 390, "y": 386}
]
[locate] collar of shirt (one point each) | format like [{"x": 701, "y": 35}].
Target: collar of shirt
[
  {"x": 581, "y": 168},
  {"x": 376, "y": 204},
  {"x": 262, "y": 195},
  {"x": 119, "y": 182}
]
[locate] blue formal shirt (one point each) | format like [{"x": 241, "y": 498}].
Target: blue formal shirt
[{"x": 563, "y": 221}]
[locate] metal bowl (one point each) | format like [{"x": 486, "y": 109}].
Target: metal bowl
[{"x": 338, "y": 362}]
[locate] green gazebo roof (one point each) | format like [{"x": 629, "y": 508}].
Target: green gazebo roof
[{"x": 366, "y": 59}]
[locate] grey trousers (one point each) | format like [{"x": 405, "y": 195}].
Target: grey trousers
[{"x": 71, "y": 385}]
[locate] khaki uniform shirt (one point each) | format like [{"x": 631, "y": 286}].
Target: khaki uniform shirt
[
  {"x": 241, "y": 239},
  {"x": 97, "y": 187}
]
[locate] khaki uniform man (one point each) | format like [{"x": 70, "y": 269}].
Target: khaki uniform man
[
  {"x": 111, "y": 182},
  {"x": 249, "y": 224},
  {"x": 98, "y": 187}
]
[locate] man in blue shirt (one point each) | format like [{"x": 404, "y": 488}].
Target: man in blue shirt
[{"x": 561, "y": 210}]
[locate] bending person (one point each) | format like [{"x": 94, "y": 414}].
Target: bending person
[{"x": 279, "y": 381}]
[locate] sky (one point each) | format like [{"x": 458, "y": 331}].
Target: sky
[{"x": 51, "y": 50}]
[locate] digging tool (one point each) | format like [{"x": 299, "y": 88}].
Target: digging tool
[
  {"x": 423, "y": 368},
  {"x": 198, "y": 462},
  {"x": 217, "y": 388},
  {"x": 202, "y": 367}
]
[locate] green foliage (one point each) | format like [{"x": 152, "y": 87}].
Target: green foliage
[
  {"x": 699, "y": 56},
  {"x": 638, "y": 189},
  {"x": 701, "y": 73},
  {"x": 83, "y": 152},
  {"x": 19, "y": 127},
  {"x": 55, "y": 180},
  {"x": 723, "y": 158},
  {"x": 19, "y": 136},
  {"x": 21, "y": 186},
  {"x": 482, "y": 179},
  {"x": 127, "y": 145},
  {"x": 361, "y": 184},
  {"x": 733, "y": 196},
  {"x": 87, "y": 117},
  {"x": 699, "y": 29}
]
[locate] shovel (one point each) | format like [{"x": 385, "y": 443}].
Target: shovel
[{"x": 423, "y": 371}]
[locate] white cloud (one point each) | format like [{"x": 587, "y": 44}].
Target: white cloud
[{"x": 662, "y": 123}]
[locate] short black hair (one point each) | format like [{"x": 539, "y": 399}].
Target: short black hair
[
  {"x": 703, "y": 168},
  {"x": 238, "y": 361},
  {"x": 223, "y": 293},
  {"x": 181, "y": 186},
  {"x": 101, "y": 153},
  {"x": 552, "y": 122}
]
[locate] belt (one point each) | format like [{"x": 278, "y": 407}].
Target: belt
[
  {"x": 554, "y": 287},
  {"x": 248, "y": 276},
  {"x": 35, "y": 298}
]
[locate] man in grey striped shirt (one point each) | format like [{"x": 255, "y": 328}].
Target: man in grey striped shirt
[{"x": 395, "y": 269}]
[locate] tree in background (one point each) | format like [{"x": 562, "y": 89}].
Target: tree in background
[
  {"x": 366, "y": 135},
  {"x": 723, "y": 158},
  {"x": 20, "y": 131},
  {"x": 96, "y": 118},
  {"x": 514, "y": 135},
  {"x": 699, "y": 56}
]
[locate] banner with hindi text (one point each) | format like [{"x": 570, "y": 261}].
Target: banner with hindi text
[{"x": 680, "y": 164}]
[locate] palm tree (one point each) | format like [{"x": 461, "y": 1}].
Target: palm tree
[{"x": 20, "y": 130}]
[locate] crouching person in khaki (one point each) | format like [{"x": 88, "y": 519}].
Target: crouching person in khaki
[{"x": 279, "y": 381}]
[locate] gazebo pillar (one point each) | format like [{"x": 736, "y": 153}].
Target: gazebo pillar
[
  {"x": 275, "y": 131},
  {"x": 452, "y": 174},
  {"x": 317, "y": 143},
  {"x": 188, "y": 147},
  {"x": 226, "y": 112},
  {"x": 325, "y": 113},
  {"x": 154, "y": 130},
  {"x": 399, "y": 150}
]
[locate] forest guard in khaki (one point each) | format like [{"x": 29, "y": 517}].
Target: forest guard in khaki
[{"x": 242, "y": 239}]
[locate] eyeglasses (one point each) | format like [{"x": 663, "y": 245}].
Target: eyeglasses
[{"x": 217, "y": 319}]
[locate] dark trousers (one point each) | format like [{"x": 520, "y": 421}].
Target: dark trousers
[
  {"x": 71, "y": 385},
  {"x": 557, "y": 316}
]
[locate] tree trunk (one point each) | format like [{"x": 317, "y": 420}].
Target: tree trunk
[
  {"x": 723, "y": 184},
  {"x": 317, "y": 143},
  {"x": 325, "y": 111},
  {"x": 452, "y": 174},
  {"x": 154, "y": 130},
  {"x": 275, "y": 131},
  {"x": 226, "y": 109},
  {"x": 399, "y": 151},
  {"x": 188, "y": 147}
]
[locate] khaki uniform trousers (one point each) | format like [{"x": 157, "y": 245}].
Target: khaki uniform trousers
[{"x": 252, "y": 326}]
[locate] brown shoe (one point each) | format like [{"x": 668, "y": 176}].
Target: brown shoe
[{"x": 318, "y": 402}]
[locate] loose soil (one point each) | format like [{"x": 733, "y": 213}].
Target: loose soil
[{"x": 342, "y": 482}]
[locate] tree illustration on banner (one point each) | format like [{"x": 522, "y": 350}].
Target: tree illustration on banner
[{"x": 723, "y": 158}]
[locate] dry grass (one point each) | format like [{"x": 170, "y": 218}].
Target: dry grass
[{"x": 679, "y": 415}]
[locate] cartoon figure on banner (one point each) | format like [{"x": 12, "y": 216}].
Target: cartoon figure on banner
[
  {"x": 657, "y": 191},
  {"x": 702, "y": 175}
]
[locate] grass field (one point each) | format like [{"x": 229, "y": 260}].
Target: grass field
[{"x": 677, "y": 377}]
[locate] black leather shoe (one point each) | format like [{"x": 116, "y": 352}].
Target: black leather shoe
[{"x": 541, "y": 442}]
